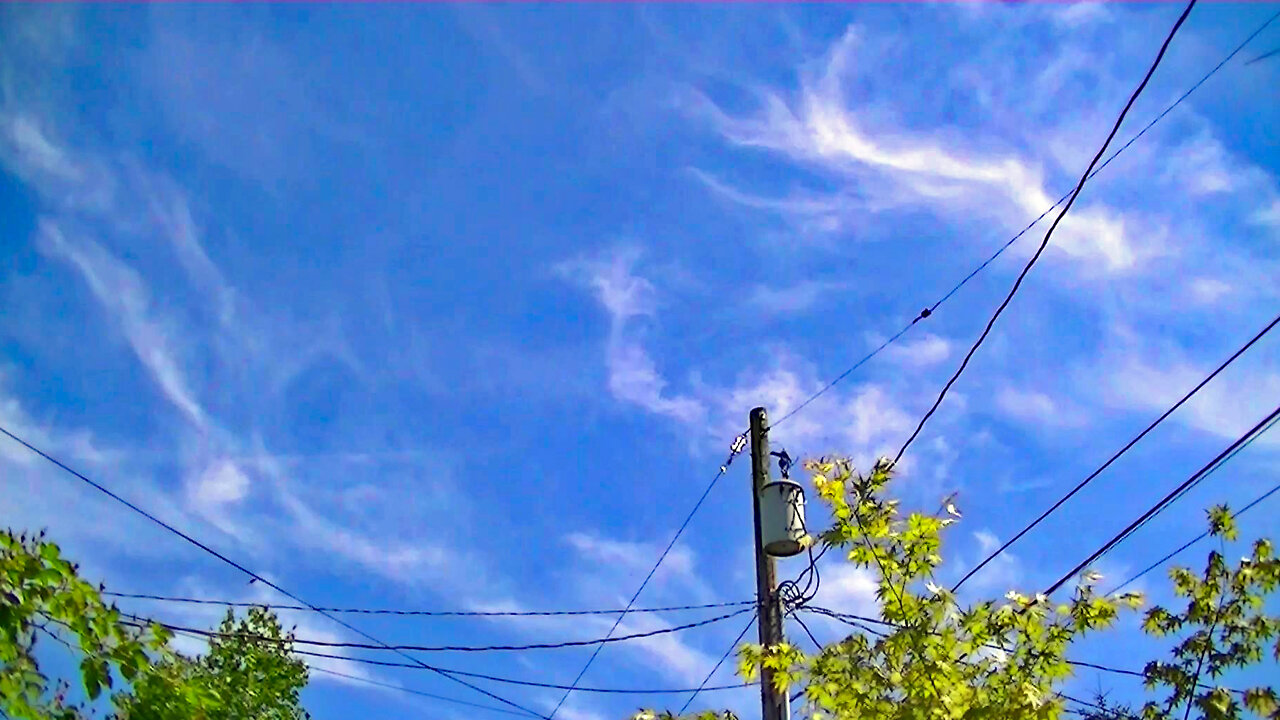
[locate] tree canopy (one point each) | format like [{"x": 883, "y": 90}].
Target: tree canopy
[
  {"x": 996, "y": 659},
  {"x": 248, "y": 671}
]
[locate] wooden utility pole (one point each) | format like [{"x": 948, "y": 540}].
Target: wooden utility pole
[{"x": 774, "y": 705}]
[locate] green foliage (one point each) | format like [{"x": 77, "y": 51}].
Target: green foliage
[
  {"x": 247, "y": 673},
  {"x": 1223, "y": 626},
  {"x": 997, "y": 660},
  {"x": 41, "y": 596},
  {"x": 994, "y": 660}
]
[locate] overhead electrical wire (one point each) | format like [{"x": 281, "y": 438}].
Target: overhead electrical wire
[
  {"x": 857, "y": 620},
  {"x": 255, "y": 577},
  {"x": 735, "y": 449},
  {"x": 929, "y": 311},
  {"x": 527, "y": 683},
  {"x": 457, "y": 648},
  {"x": 426, "y": 613},
  {"x": 1164, "y": 502},
  {"x": 1017, "y": 284},
  {"x": 1117, "y": 455},
  {"x": 1264, "y": 56},
  {"x": 411, "y": 691},
  {"x": 450, "y": 674},
  {"x": 206, "y": 634},
  {"x": 702, "y": 687},
  {"x": 1225, "y": 460},
  {"x": 1193, "y": 540}
]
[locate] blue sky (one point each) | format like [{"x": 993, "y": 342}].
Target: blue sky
[{"x": 460, "y": 306}]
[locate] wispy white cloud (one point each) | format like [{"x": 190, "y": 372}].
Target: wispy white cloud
[
  {"x": 894, "y": 168},
  {"x": 410, "y": 563},
  {"x": 922, "y": 351},
  {"x": 861, "y": 420},
  {"x": 849, "y": 589},
  {"x": 633, "y": 375},
  {"x": 124, "y": 296},
  {"x": 809, "y": 212},
  {"x": 634, "y": 556},
  {"x": 1001, "y": 574},
  {"x": 1209, "y": 290},
  {"x": 1036, "y": 408},
  {"x": 1225, "y": 408}
]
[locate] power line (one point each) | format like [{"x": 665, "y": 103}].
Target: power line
[
  {"x": 204, "y": 634},
  {"x": 426, "y": 613},
  {"x": 1194, "y": 540},
  {"x": 411, "y": 691},
  {"x": 1045, "y": 243},
  {"x": 1225, "y": 460},
  {"x": 856, "y": 620},
  {"x": 526, "y": 683},
  {"x": 1166, "y": 500},
  {"x": 929, "y": 311},
  {"x": 255, "y": 576},
  {"x": 1080, "y": 486},
  {"x": 1264, "y": 56},
  {"x": 459, "y": 648},
  {"x": 702, "y": 687},
  {"x": 735, "y": 448}
]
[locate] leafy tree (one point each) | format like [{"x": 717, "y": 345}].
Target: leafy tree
[
  {"x": 1225, "y": 626},
  {"x": 41, "y": 596},
  {"x": 996, "y": 660},
  {"x": 247, "y": 673}
]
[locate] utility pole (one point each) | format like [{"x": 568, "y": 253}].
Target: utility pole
[{"x": 774, "y": 705}]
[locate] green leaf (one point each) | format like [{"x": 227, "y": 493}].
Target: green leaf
[{"x": 92, "y": 677}]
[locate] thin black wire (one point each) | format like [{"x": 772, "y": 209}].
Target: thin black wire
[
  {"x": 1264, "y": 56},
  {"x": 255, "y": 577},
  {"x": 1182, "y": 491},
  {"x": 478, "y": 676},
  {"x": 1048, "y": 234},
  {"x": 1165, "y": 501},
  {"x": 702, "y": 687},
  {"x": 524, "y": 683},
  {"x": 1225, "y": 460},
  {"x": 856, "y": 620},
  {"x": 845, "y": 374},
  {"x": 427, "y": 613},
  {"x": 806, "y": 629},
  {"x": 1102, "y": 468},
  {"x": 464, "y": 648},
  {"x": 924, "y": 314},
  {"x": 1191, "y": 542},
  {"x": 411, "y": 691},
  {"x": 735, "y": 448}
]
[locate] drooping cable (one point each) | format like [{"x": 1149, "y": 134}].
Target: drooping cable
[
  {"x": 1133, "y": 578},
  {"x": 929, "y": 311},
  {"x": 255, "y": 577},
  {"x": 410, "y": 691},
  {"x": 1164, "y": 502},
  {"x": 702, "y": 686},
  {"x": 1116, "y": 456},
  {"x": 462, "y": 648},
  {"x": 1017, "y": 284},
  {"x": 205, "y": 634},
  {"x": 423, "y": 613},
  {"x": 739, "y": 443},
  {"x": 861, "y": 621}
]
